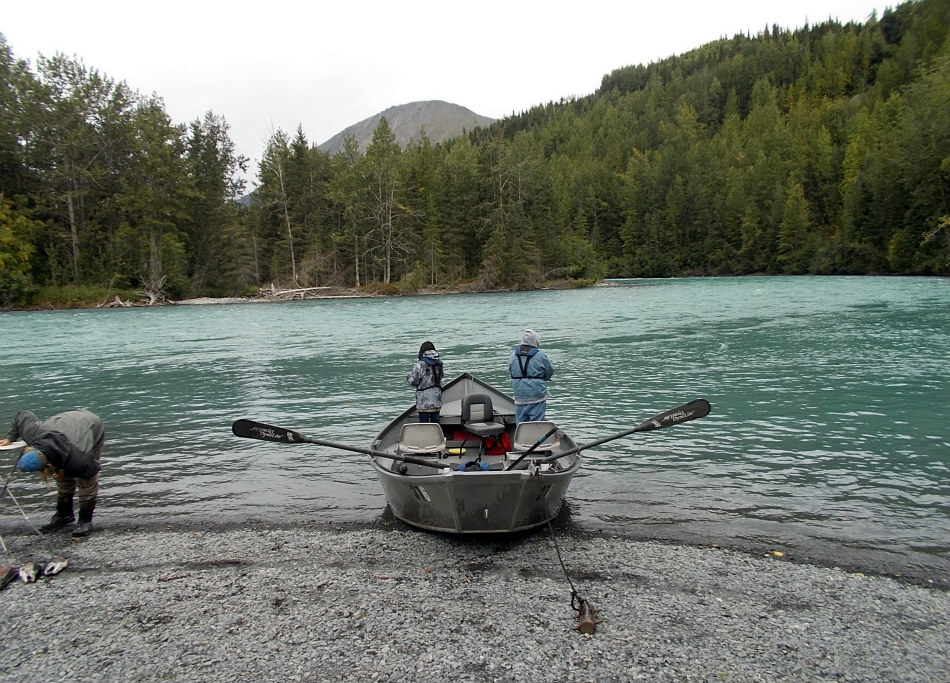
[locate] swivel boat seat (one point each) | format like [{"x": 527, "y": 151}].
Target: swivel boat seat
[{"x": 478, "y": 416}]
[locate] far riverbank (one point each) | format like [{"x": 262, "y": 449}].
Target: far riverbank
[{"x": 68, "y": 298}]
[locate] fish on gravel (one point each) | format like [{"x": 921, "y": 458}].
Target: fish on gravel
[
  {"x": 7, "y": 574},
  {"x": 55, "y": 566},
  {"x": 29, "y": 572}
]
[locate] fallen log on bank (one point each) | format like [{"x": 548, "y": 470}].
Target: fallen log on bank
[{"x": 290, "y": 294}]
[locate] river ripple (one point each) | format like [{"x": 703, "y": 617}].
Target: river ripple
[{"x": 828, "y": 436}]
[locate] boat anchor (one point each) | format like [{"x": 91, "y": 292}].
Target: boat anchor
[{"x": 586, "y": 616}]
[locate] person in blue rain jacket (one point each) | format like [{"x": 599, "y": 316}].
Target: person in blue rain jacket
[{"x": 530, "y": 371}]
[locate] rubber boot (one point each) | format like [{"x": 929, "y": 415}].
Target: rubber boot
[
  {"x": 84, "y": 528},
  {"x": 63, "y": 517}
]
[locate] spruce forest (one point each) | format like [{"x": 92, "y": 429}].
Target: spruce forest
[{"x": 819, "y": 150}]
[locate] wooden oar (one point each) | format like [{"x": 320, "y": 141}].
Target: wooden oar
[
  {"x": 684, "y": 413},
  {"x": 258, "y": 430}
]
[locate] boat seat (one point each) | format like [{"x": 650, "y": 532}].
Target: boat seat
[
  {"x": 528, "y": 433},
  {"x": 421, "y": 437},
  {"x": 478, "y": 416}
]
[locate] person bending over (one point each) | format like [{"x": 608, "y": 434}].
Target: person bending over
[{"x": 69, "y": 446}]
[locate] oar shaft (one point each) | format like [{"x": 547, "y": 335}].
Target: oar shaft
[
  {"x": 377, "y": 454},
  {"x": 533, "y": 448},
  {"x": 257, "y": 430},
  {"x": 342, "y": 447},
  {"x": 684, "y": 413},
  {"x": 250, "y": 429}
]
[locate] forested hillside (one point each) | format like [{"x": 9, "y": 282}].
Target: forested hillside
[{"x": 824, "y": 149}]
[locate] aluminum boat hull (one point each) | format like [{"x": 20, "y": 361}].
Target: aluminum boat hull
[{"x": 496, "y": 500}]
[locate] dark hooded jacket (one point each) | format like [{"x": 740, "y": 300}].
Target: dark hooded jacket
[{"x": 66, "y": 439}]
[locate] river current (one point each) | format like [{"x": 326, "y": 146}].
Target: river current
[{"x": 829, "y": 436}]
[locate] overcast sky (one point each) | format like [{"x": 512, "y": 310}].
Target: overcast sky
[{"x": 277, "y": 64}]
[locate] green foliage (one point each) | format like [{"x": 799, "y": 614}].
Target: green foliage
[
  {"x": 413, "y": 281},
  {"x": 80, "y": 296},
  {"x": 15, "y": 288},
  {"x": 381, "y": 289},
  {"x": 823, "y": 149},
  {"x": 17, "y": 233}
]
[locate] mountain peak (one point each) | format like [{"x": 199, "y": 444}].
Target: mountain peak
[{"x": 440, "y": 121}]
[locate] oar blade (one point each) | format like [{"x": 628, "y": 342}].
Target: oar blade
[
  {"x": 684, "y": 413},
  {"x": 249, "y": 429}
]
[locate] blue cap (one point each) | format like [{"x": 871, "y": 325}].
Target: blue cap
[{"x": 31, "y": 460}]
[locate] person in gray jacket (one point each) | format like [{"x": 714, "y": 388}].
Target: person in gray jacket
[
  {"x": 530, "y": 371},
  {"x": 426, "y": 377},
  {"x": 68, "y": 445}
]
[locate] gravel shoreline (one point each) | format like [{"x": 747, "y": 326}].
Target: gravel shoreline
[{"x": 386, "y": 603}]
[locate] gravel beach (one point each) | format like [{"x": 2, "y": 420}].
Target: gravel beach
[{"x": 378, "y": 602}]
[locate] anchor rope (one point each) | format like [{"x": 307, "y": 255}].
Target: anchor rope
[{"x": 576, "y": 599}]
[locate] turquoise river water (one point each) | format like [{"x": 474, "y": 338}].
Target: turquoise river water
[{"x": 829, "y": 436}]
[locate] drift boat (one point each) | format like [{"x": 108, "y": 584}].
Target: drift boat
[
  {"x": 484, "y": 474},
  {"x": 476, "y": 472}
]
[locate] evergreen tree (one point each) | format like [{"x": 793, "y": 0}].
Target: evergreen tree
[
  {"x": 152, "y": 190},
  {"x": 346, "y": 194},
  {"x": 822, "y": 149},
  {"x": 387, "y": 239},
  {"x": 273, "y": 200},
  {"x": 216, "y": 253}
]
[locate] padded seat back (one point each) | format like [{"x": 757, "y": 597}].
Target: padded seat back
[
  {"x": 421, "y": 437},
  {"x": 478, "y": 415},
  {"x": 477, "y": 408},
  {"x": 528, "y": 433}
]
